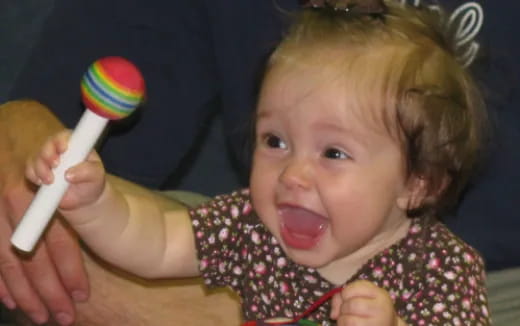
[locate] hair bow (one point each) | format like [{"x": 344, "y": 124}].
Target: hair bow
[{"x": 364, "y": 7}]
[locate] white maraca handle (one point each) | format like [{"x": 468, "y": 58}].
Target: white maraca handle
[{"x": 48, "y": 197}]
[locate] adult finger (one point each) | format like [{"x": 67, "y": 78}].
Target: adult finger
[
  {"x": 38, "y": 270},
  {"x": 66, "y": 254},
  {"x": 15, "y": 282},
  {"x": 45, "y": 279},
  {"x": 5, "y": 296}
]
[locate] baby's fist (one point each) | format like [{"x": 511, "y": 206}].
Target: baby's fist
[
  {"x": 86, "y": 179},
  {"x": 362, "y": 303}
]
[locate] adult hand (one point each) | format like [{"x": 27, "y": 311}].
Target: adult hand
[{"x": 46, "y": 283}]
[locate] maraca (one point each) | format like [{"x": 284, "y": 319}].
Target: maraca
[{"x": 111, "y": 89}]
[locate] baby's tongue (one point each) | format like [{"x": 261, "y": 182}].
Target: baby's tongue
[{"x": 302, "y": 222}]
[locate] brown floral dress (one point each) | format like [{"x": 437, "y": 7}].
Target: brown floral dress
[{"x": 433, "y": 277}]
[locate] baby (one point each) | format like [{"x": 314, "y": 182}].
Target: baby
[{"x": 366, "y": 129}]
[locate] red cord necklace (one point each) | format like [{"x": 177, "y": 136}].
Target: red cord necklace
[{"x": 299, "y": 319}]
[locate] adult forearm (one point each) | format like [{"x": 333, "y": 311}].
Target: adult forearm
[{"x": 120, "y": 299}]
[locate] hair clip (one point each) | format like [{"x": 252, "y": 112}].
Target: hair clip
[{"x": 364, "y": 7}]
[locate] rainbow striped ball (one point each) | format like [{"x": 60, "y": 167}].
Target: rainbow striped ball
[{"x": 112, "y": 87}]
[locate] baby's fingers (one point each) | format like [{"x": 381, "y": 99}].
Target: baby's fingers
[
  {"x": 43, "y": 170},
  {"x": 336, "y": 306},
  {"x": 38, "y": 171},
  {"x": 30, "y": 174},
  {"x": 54, "y": 147},
  {"x": 39, "y": 168},
  {"x": 87, "y": 171},
  {"x": 87, "y": 180}
]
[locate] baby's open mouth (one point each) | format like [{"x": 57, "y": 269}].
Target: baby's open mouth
[{"x": 300, "y": 227}]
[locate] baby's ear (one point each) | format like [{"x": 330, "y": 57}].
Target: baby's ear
[
  {"x": 414, "y": 194},
  {"x": 420, "y": 192}
]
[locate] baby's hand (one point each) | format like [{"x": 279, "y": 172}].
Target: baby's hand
[
  {"x": 363, "y": 303},
  {"x": 87, "y": 179}
]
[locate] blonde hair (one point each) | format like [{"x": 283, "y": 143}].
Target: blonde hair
[{"x": 401, "y": 62}]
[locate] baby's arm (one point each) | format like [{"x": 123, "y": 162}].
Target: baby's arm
[
  {"x": 129, "y": 226},
  {"x": 138, "y": 230}
]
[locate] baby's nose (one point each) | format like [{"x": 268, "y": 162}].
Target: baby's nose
[{"x": 297, "y": 174}]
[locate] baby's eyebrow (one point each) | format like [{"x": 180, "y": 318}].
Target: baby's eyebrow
[
  {"x": 332, "y": 127},
  {"x": 263, "y": 114},
  {"x": 337, "y": 128}
]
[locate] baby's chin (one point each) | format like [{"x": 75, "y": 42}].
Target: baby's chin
[{"x": 312, "y": 258}]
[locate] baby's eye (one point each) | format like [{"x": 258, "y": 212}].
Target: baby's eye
[
  {"x": 335, "y": 154},
  {"x": 273, "y": 141}
]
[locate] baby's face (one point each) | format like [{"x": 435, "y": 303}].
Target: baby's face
[{"x": 325, "y": 178}]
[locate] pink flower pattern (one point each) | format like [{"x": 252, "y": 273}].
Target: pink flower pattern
[{"x": 433, "y": 277}]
